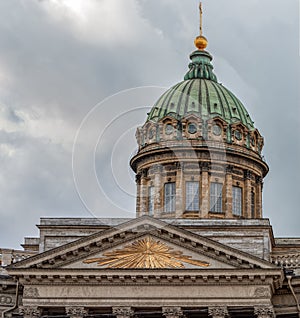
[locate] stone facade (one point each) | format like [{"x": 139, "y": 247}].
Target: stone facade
[{"x": 57, "y": 282}]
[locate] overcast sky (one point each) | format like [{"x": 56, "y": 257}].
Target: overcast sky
[{"x": 60, "y": 58}]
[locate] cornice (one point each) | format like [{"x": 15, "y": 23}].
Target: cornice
[{"x": 150, "y": 277}]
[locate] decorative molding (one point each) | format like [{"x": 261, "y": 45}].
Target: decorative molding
[
  {"x": 286, "y": 260},
  {"x": 264, "y": 311},
  {"x": 172, "y": 312},
  {"x": 122, "y": 312},
  {"x": 29, "y": 312},
  {"x": 76, "y": 312},
  {"x": 30, "y": 292},
  {"x": 218, "y": 312}
]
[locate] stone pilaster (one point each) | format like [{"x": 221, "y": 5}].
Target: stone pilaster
[
  {"x": 179, "y": 190},
  {"x": 247, "y": 194},
  {"x": 264, "y": 312},
  {"x": 122, "y": 312},
  {"x": 204, "y": 203},
  {"x": 228, "y": 192},
  {"x": 76, "y": 311},
  {"x": 258, "y": 212},
  {"x": 218, "y": 312},
  {"x": 143, "y": 194},
  {"x": 138, "y": 194},
  {"x": 30, "y": 311},
  {"x": 157, "y": 191},
  {"x": 172, "y": 312}
]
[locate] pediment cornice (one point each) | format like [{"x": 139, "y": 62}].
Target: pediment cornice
[{"x": 135, "y": 229}]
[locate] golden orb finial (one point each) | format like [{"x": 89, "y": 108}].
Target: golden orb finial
[{"x": 201, "y": 41}]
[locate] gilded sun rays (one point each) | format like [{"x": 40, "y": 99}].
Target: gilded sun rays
[{"x": 145, "y": 253}]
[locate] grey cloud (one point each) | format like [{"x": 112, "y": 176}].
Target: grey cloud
[{"x": 56, "y": 74}]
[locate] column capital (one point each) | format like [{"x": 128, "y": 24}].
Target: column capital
[
  {"x": 247, "y": 174},
  {"x": 138, "y": 177},
  {"x": 76, "y": 311},
  {"x": 172, "y": 312},
  {"x": 264, "y": 311},
  {"x": 229, "y": 169},
  {"x": 205, "y": 166},
  {"x": 123, "y": 312},
  {"x": 259, "y": 179},
  {"x": 144, "y": 173},
  {"x": 218, "y": 312},
  {"x": 30, "y": 311}
]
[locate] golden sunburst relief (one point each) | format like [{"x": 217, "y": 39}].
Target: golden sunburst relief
[{"x": 145, "y": 253}]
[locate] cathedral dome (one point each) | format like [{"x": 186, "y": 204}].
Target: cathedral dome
[
  {"x": 205, "y": 99},
  {"x": 200, "y": 108},
  {"x": 200, "y": 94}
]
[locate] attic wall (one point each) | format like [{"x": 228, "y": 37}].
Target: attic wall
[{"x": 250, "y": 236}]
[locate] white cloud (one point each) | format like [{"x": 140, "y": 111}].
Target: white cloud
[{"x": 113, "y": 23}]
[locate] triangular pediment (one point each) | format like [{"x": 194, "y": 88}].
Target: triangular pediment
[
  {"x": 148, "y": 251},
  {"x": 144, "y": 242}
]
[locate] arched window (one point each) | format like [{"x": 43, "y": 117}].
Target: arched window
[
  {"x": 169, "y": 197},
  {"x": 192, "y": 196},
  {"x": 237, "y": 201},
  {"x": 216, "y": 197}
]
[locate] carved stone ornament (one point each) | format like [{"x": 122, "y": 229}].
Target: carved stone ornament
[
  {"x": 76, "y": 312},
  {"x": 218, "y": 312},
  {"x": 122, "y": 312},
  {"x": 261, "y": 292},
  {"x": 29, "y": 312},
  {"x": 172, "y": 312},
  {"x": 6, "y": 300},
  {"x": 31, "y": 292},
  {"x": 145, "y": 253},
  {"x": 264, "y": 312}
]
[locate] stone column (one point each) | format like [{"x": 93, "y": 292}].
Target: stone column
[
  {"x": 247, "y": 194},
  {"x": 138, "y": 194},
  {"x": 172, "y": 312},
  {"x": 179, "y": 190},
  {"x": 76, "y": 312},
  {"x": 157, "y": 191},
  {"x": 122, "y": 312},
  {"x": 218, "y": 312},
  {"x": 258, "y": 208},
  {"x": 228, "y": 192},
  {"x": 30, "y": 311},
  {"x": 264, "y": 311},
  {"x": 204, "y": 203},
  {"x": 143, "y": 193}
]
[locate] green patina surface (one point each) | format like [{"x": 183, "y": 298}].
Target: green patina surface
[{"x": 200, "y": 94}]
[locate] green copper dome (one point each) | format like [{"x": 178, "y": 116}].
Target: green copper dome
[{"x": 200, "y": 94}]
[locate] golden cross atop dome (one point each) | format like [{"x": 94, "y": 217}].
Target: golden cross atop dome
[
  {"x": 200, "y": 9},
  {"x": 201, "y": 41}
]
